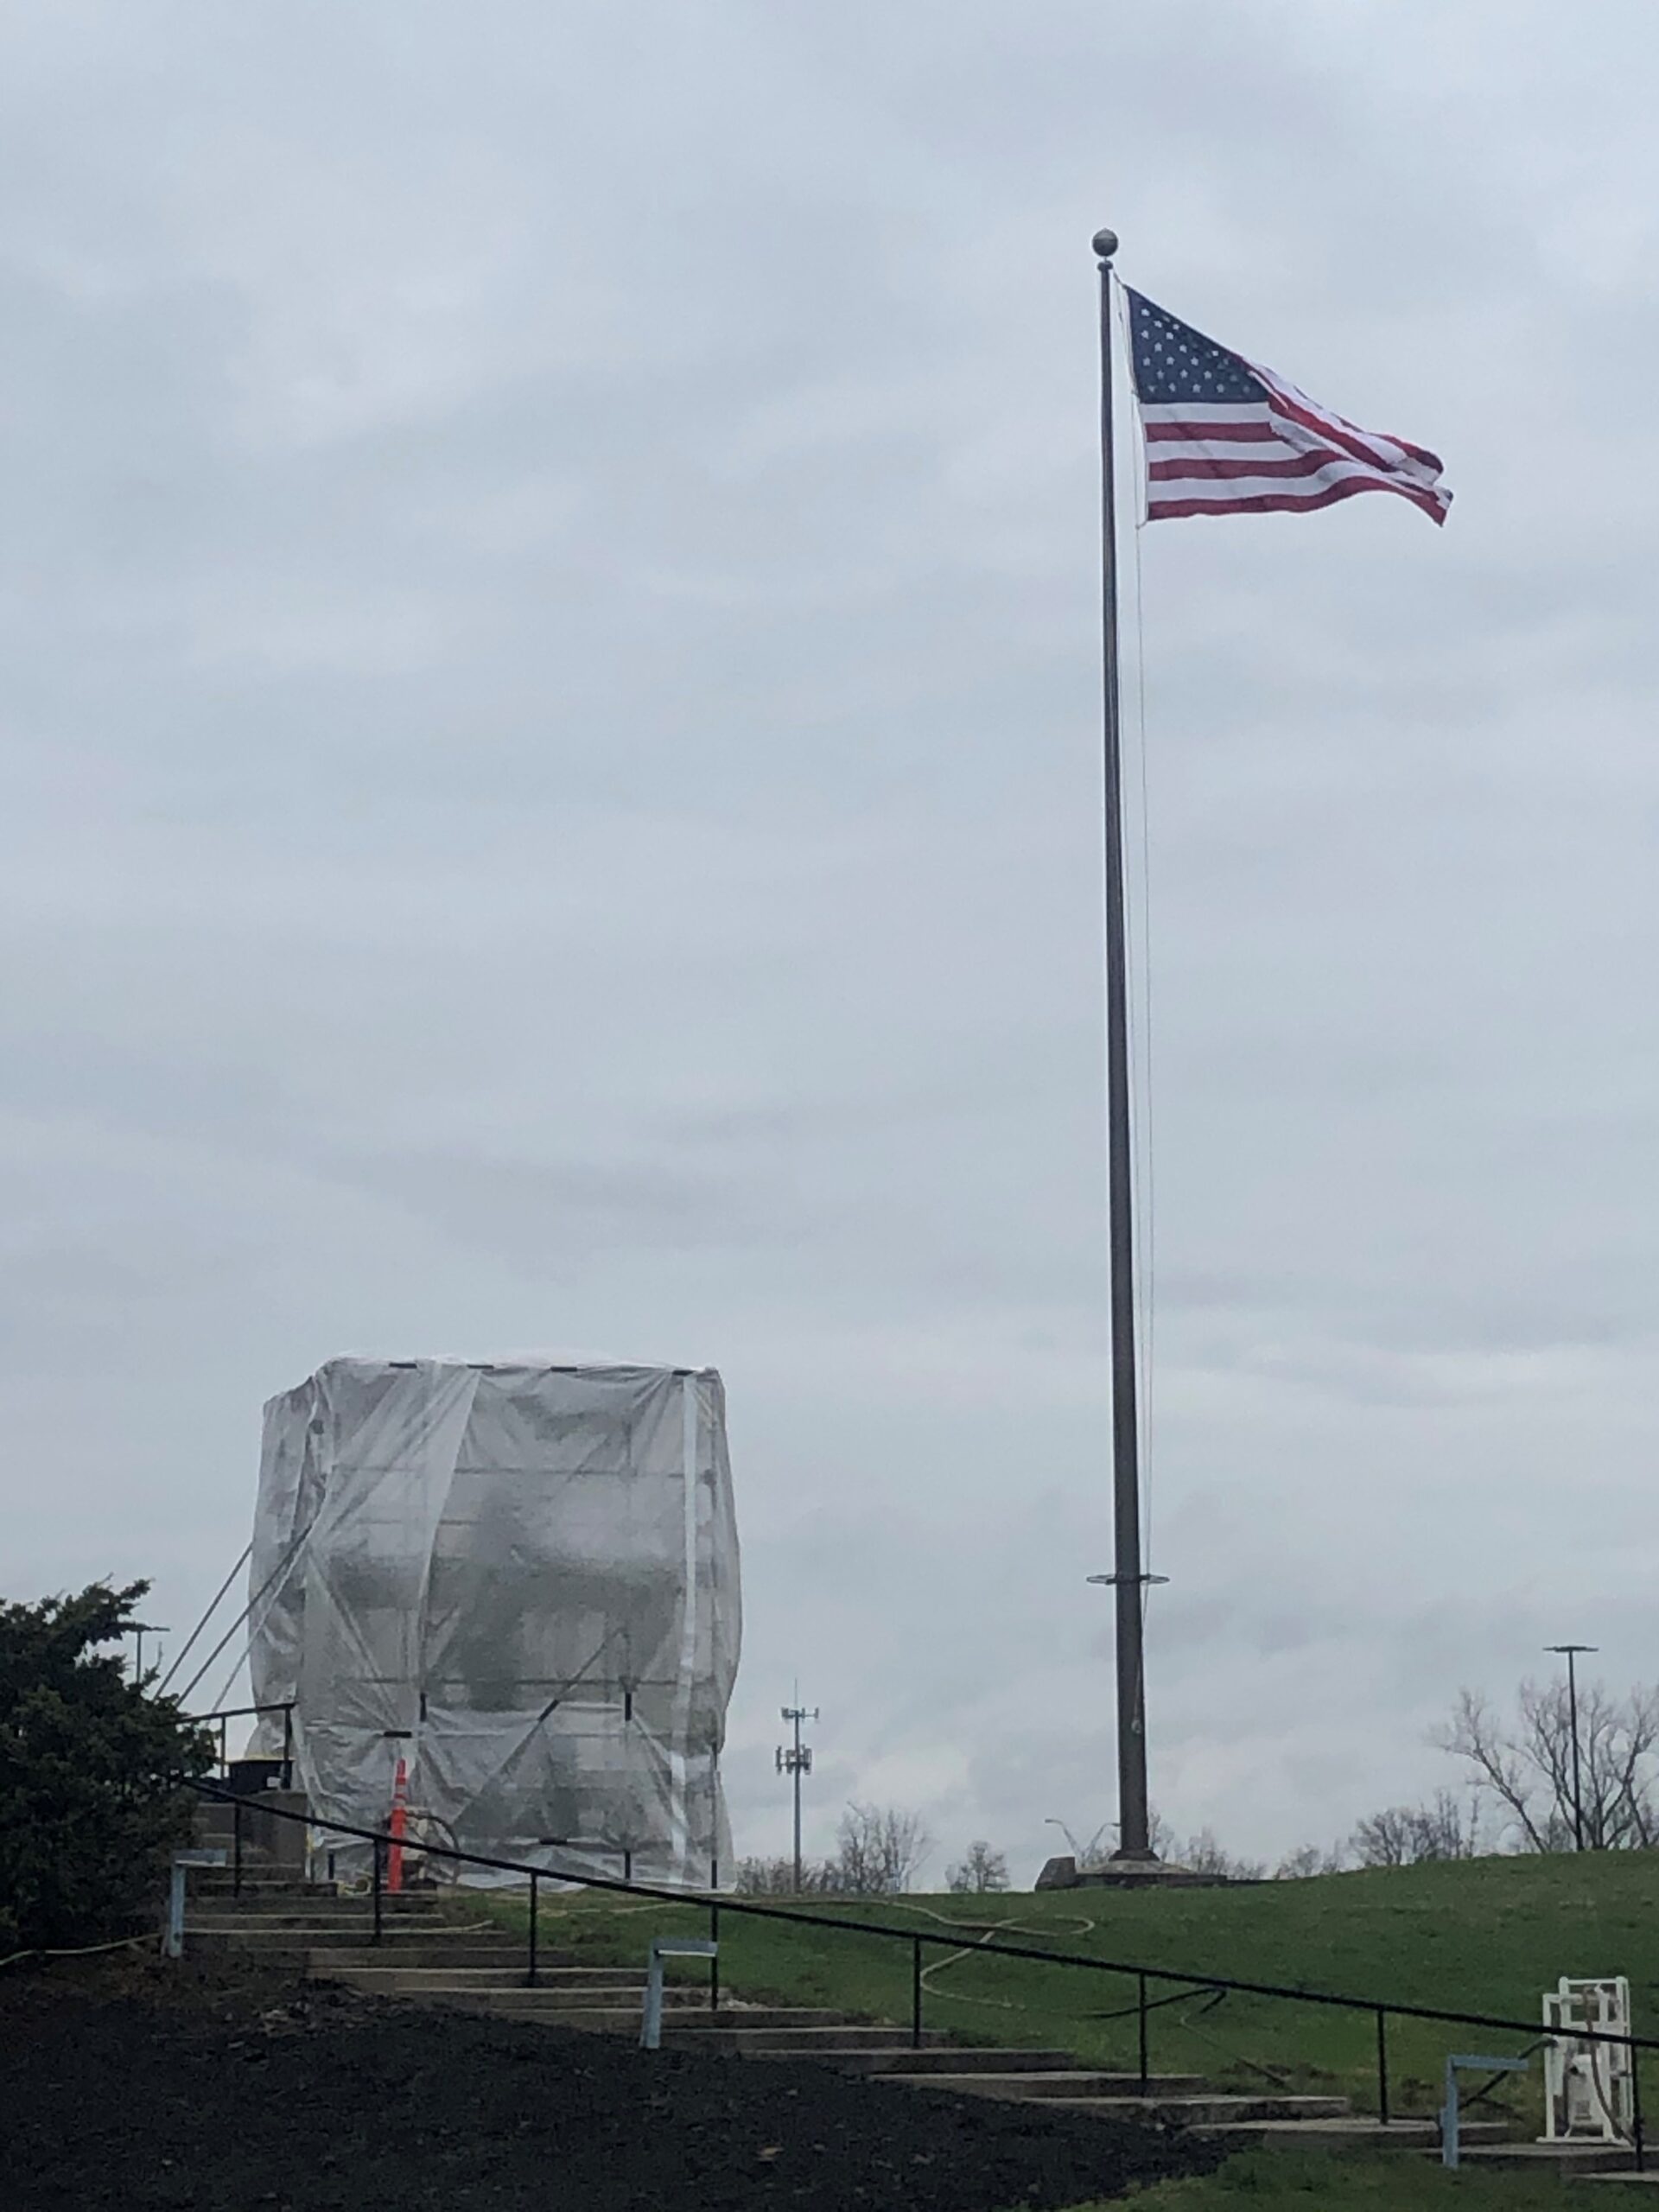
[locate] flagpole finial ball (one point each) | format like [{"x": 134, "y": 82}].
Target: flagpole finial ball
[{"x": 1105, "y": 244}]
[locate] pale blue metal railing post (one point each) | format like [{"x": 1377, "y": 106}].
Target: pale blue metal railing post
[
  {"x": 173, "y": 1932},
  {"x": 1471, "y": 2063},
  {"x": 173, "y": 1941},
  {"x": 665, "y": 1946}
]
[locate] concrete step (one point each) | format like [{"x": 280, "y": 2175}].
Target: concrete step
[
  {"x": 970, "y": 2058},
  {"x": 284, "y": 1928},
  {"x": 577, "y": 1985},
  {"x": 1357, "y": 2128},
  {"x": 682, "y": 2021},
  {"x": 258, "y": 1904},
  {"x": 221, "y": 1914},
  {"x": 489, "y": 1981},
  {"x": 746, "y": 2032},
  {"x": 1211, "y": 2111},
  {"x": 730, "y": 2031},
  {"x": 1059, "y": 2083},
  {"x": 1572, "y": 2158},
  {"x": 422, "y": 1951},
  {"x": 298, "y": 1944},
  {"x": 256, "y": 1881},
  {"x": 283, "y": 1909}
]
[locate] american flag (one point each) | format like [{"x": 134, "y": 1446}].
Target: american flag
[{"x": 1226, "y": 437}]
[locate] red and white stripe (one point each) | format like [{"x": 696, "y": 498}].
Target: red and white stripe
[{"x": 1281, "y": 455}]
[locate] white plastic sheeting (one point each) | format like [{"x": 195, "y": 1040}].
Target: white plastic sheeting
[{"x": 523, "y": 1580}]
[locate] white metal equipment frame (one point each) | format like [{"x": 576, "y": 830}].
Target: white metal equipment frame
[{"x": 1589, "y": 2088}]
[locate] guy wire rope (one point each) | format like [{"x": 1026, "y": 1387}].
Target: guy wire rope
[{"x": 183, "y": 1653}]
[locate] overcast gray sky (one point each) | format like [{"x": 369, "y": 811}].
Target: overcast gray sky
[{"x": 550, "y": 732}]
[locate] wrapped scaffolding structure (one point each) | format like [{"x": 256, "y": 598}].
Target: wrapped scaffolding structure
[{"x": 522, "y": 1580}]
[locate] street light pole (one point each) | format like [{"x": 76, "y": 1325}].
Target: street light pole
[
  {"x": 141, "y": 1629},
  {"x": 1570, "y": 1652}
]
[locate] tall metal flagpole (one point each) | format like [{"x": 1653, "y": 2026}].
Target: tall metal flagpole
[{"x": 1128, "y": 1579}]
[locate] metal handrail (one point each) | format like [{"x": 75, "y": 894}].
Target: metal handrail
[
  {"x": 241, "y": 1712},
  {"x": 1381, "y": 2010}
]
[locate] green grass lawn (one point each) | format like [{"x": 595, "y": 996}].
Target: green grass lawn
[
  {"x": 1487, "y": 1936},
  {"x": 1315, "y": 2180}
]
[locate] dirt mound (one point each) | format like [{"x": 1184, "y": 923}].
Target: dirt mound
[{"x": 225, "y": 2092}]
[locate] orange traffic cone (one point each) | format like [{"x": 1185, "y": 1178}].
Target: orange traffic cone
[{"x": 396, "y": 1825}]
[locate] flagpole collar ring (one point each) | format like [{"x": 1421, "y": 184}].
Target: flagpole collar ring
[{"x": 1105, "y": 244}]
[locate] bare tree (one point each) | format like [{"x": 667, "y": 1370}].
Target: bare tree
[
  {"x": 1528, "y": 1767},
  {"x": 1307, "y": 1861},
  {"x": 1410, "y": 1835},
  {"x": 1205, "y": 1854},
  {"x": 775, "y": 1878},
  {"x": 981, "y": 1870},
  {"x": 880, "y": 1851},
  {"x": 1202, "y": 1854}
]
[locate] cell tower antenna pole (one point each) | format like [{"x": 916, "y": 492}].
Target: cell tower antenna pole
[{"x": 795, "y": 1759}]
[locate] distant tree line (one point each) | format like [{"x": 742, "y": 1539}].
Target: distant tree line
[
  {"x": 878, "y": 1853},
  {"x": 1517, "y": 1796},
  {"x": 1519, "y": 1793},
  {"x": 1399, "y": 1835},
  {"x": 1521, "y": 1781},
  {"x": 1525, "y": 1768}
]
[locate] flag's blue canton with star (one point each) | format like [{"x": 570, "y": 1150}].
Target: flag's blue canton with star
[{"x": 1173, "y": 362}]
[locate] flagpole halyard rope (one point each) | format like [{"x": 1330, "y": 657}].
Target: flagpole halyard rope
[{"x": 1141, "y": 1033}]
